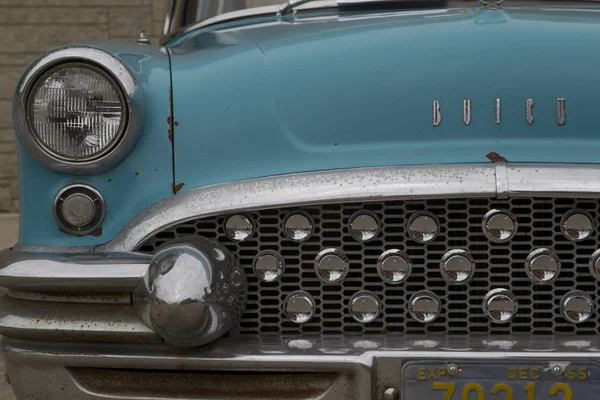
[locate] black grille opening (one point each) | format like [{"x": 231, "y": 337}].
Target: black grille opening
[{"x": 497, "y": 265}]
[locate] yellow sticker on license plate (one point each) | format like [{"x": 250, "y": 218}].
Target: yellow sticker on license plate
[{"x": 500, "y": 380}]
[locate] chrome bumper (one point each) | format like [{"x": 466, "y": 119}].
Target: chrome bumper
[
  {"x": 328, "y": 369},
  {"x": 70, "y": 331}
]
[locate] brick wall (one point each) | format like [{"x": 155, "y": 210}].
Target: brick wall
[{"x": 29, "y": 27}]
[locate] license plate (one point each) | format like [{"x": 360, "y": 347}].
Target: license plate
[{"x": 500, "y": 380}]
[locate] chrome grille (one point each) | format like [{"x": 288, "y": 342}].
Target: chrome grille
[{"x": 497, "y": 265}]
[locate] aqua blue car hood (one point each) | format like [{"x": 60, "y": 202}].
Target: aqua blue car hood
[{"x": 348, "y": 90}]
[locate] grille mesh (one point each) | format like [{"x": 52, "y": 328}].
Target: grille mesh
[{"x": 497, "y": 265}]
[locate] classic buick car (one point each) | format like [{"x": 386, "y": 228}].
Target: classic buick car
[{"x": 313, "y": 200}]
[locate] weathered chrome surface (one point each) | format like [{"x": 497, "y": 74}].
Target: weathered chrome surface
[
  {"x": 498, "y": 111},
  {"x": 595, "y": 264},
  {"x": 394, "y": 266},
  {"x": 423, "y": 227},
  {"x": 113, "y": 66},
  {"x": 269, "y": 266},
  {"x": 193, "y": 292},
  {"x": 457, "y": 266},
  {"x": 500, "y": 305},
  {"x": 364, "y": 226},
  {"x": 364, "y": 307},
  {"x": 499, "y": 225},
  {"x": 331, "y": 266},
  {"x": 239, "y": 227},
  {"x": 542, "y": 266},
  {"x": 437, "y": 114},
  {"x": 72, "y": 272},
  {"x": 79, "y": 209},
  {"x": 299, "y": 307},
  {"x": 391, "y": 394},
  {"x": 577, "y": 306},
  {"x": 372, "y": 365},
  {"x": 49, "y": 320},
  {"x": 298, "y": 226},
  {"x": 577, "y": 225},
  {"x": 529, "y": 118},
  {"x": 560, "y": 111},
  {"x": 424, "y": 306},
  {"x": 467, "y": 111}
]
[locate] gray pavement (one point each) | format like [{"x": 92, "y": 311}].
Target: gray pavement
[{"x": 9, "y": 229}]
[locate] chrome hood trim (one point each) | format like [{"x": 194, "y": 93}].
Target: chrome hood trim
[{"x": 361, "y": 184}]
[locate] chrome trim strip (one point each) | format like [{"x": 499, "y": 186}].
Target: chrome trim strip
[
  {"x": 501, "y": 180},
  {"x": 361, "y": 184},
  {"x": 45, "y": 320},
  {"x": 308, "y": 353},
  {"x": 352, "y": 185},
  {"x": 564, "y": 180},
  {"x": 72, "y": 272},
  {"x": 106, "y": 62}
]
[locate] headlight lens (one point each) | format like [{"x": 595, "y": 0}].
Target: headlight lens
[{"x": 77, "y": 112}]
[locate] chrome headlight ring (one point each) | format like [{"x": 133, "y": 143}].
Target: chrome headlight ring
[{"x": 110, "y": 66}]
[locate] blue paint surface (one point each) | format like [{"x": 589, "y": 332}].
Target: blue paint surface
[
  {"x": 347, "y": 92},
  {"x": 140, "y": 180},
  {"x": 344, "y": 89}
]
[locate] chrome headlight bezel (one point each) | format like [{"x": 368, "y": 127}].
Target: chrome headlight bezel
[{"x": 100, "y": 61}]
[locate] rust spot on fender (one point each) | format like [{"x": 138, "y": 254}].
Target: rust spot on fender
[
  {"x": 97, "y": 232},
  {"x": 176, "y": 123},
  {"x": 177, "y": 188},
  {"x": 170, "y": 135},
  {"x": 169, "y": 119},
  {"x": 495, "y": 157}
]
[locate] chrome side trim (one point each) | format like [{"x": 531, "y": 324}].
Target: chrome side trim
[
  {"x": 106, "y": 62},
  {"x": 72, "y": 272},
  {"x": 45, "y": 320}
]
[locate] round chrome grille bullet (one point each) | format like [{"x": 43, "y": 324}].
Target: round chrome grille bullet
[
  {"x": 577, "y": 225},
  {"x": 298, "y": 226},
  {"x": 595, "y": 264},
  {"x": 363, "y": 226},
  {"x": 457, "y": 266},
  {"x": 331, "y": 265},
  {"x": 577, "y": 306},
  {"x": 394, "y": 266},
  {"x": 500, "y": 305},
  {"x": 268, "y": 266},
  {"x": 499, "y": 225},
  {"x": 423, "y": 227},
  {"x": 542, "y": 266},
  {"x": 239, "y": 227},
  {"x": 364, "y": 306},
  {"x": 299, "y": 307},
  {"x": 424, "y": 306}
]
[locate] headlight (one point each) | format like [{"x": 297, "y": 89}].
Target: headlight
[{"x": 78, "y": 110}]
